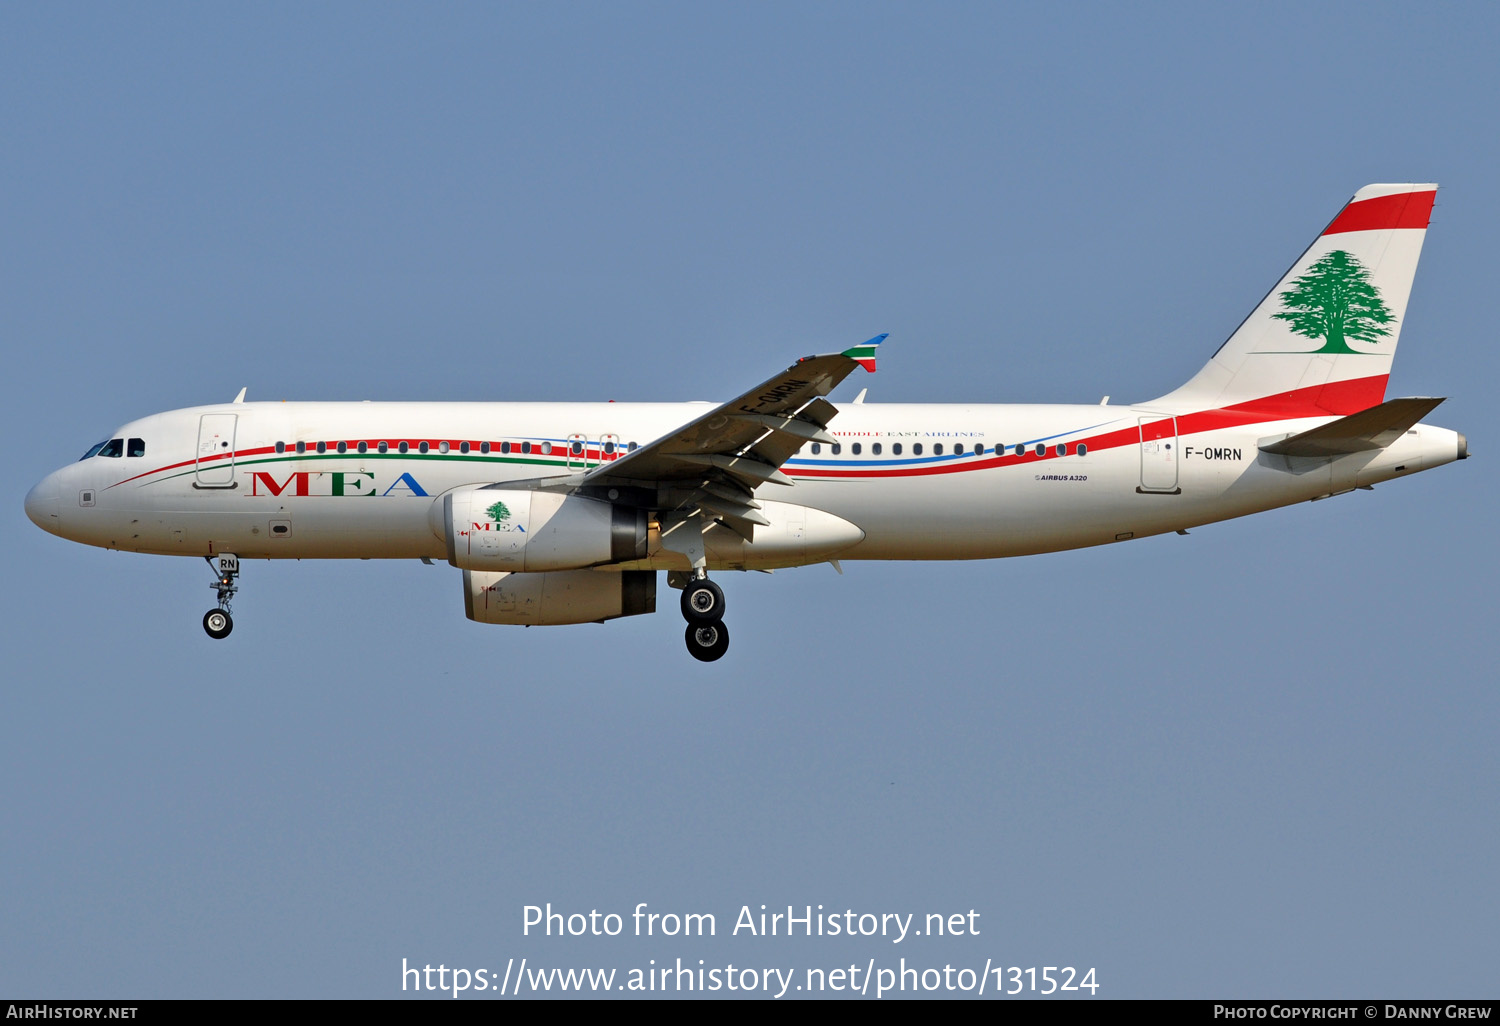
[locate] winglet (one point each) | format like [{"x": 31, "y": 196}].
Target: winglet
[
  {"x": 864, "y": 353},
  {"x": 241, "y": 397}
]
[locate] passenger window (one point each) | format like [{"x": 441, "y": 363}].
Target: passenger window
[
  {"x": 856, "y": 448},
  {"x": 422, "y": 447},
  {"x": 525, "y": 448},
  {"x": 463, "y": 447},
  {"x": 504, "y": 448},
  {"x": 443, "y": 448},
  {"x": 343, "y": 447},
  {"x": 383, "y": 447},
  {"x": 958, "y": 450},
  {"x": 1041, "y": 450},
  {"x": 484, "y": 447},
  {"x": 937, "y": 450},
  {"x": 1083, "y": 450},
  {"x": 363, "y": 447},
  {"x": 917, "y": 449},
  {"x": 114, "y": 447},
  {"x": 875, "y": 448},
  {"x": 896, "y": 449},
  {"x": 817, "y": 448},
  {"x": 632, "y": 447},
  {"x": 322, "y": 446},
  {"x": 609, "y": 448},
  {"x": 546, "y": 448},
  {"x": 403, "y": 447},
  {"x": 576, "y": 448},
  {"x": 137, "y": 447},
  {"x": 1062, "y": 450},
  {"x": 838, "y": 449},
  {"x": 301, "y": 447}
]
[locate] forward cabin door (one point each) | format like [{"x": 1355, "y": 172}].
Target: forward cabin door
[
  {"x": 1159, "y": 455},
  {"x": 215, "y": 465}
]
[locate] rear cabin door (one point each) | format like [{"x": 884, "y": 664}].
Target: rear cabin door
[
  {"x": 1159, "y": 455},
  {"x": 215, "y": 465}
]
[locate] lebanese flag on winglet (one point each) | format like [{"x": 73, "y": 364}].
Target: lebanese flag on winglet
[
  {"x": 864, "y": 354},
  {"x": 1375, "y": 207}
]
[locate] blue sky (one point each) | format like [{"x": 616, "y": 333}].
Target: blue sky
[{"x": 1256, "y": 761}]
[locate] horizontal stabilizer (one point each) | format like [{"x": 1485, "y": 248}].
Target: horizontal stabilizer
[{"x": 1364, "y": 431}]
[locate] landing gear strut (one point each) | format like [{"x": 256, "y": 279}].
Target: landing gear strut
[
  {"x": 217, "y": 622},
  {"x": 703, "y": 608}
]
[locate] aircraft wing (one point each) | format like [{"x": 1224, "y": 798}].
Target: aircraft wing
[{"x": 716, "y": 462}]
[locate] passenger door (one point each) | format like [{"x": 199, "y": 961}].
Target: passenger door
[
  {"x": 1159, "y": 455},
  {"x": 215, "y": 462}
]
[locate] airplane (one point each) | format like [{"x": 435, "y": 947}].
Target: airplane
[{"x": 565, "y": 513}]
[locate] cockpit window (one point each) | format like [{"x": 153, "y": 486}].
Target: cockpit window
[
  {"x": 135, "y": 447},
  {"x": 93, "y": 451},
  {"x": 113, "y": 447}
]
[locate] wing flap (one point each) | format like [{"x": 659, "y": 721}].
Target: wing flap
[
  {"x": 742, "y": 467},
  {"x": 802, "y": 430}
]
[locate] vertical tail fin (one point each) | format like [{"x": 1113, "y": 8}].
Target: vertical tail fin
[{"x": 1321, "y": 342}]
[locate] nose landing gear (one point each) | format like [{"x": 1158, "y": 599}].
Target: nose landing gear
[
  {"x": 703, "y": 608},
  {"x": 217, "y": 622}
]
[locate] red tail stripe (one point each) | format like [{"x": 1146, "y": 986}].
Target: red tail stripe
[{"x": 1403, "y": 210}]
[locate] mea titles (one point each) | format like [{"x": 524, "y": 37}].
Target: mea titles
[{"x": 809, "y": 923}]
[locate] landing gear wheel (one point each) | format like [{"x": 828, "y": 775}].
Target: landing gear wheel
[
  {"x": 702, "y": 602},
  {"x": 707, "y": 641},
  {"x": 218, "y": 623}
]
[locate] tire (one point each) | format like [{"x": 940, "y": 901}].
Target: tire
[
  {"x": 702, "y": 602},
  {"x": 707, "y": 641},
  {"x": 217, "y": 623}
]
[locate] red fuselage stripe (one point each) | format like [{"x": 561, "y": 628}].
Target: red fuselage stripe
[{"x": 1334, "y": 399}]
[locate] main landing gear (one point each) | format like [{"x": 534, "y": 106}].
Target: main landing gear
[
  {"x": 703, "y": 608},
  {"x": 217, "y": 622}
]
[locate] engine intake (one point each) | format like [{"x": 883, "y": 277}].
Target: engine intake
[{"x": 525, "y": 532}]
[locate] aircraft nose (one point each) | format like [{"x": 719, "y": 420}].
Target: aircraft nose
[{"x": 42, "y": 504}]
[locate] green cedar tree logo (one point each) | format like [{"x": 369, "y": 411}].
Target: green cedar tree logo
[
  {"x": 499, "y": 512},
  {"x": 1335, "y": 301}
]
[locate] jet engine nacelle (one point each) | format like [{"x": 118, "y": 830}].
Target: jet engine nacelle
[
  {"x": 559, "y": 597},
  {"x": 524, "y": 531}
]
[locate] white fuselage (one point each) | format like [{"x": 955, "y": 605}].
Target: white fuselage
[{"x": 212, "y": 479}]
